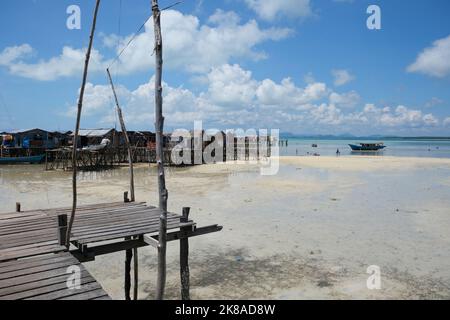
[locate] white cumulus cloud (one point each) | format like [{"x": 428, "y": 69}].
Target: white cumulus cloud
[
  {"x": 70, "y": 62},
  {"x": 12, "y": 54},
  {"x": 435, "y": 60},
  {"x": 188, "y": 45},
  {"x": 193, "y": 47},
  {"x": 234, "y": 98}
]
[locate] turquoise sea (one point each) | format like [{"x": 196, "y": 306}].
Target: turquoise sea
[{"x": 401, "y": 147}]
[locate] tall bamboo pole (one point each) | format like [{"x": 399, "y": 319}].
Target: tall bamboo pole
[
  {"x": 77, "y": 127},
  {"x": 159, "y": 126}
]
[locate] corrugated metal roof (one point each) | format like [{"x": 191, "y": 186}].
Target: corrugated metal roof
[
  {"x": 26, "y": 131},
  {"x": 93, "y": 132}
]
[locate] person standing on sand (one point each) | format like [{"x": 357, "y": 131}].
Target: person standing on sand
[{"x": 338, "y": 153}]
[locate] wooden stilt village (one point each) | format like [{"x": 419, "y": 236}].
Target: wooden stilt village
[
  {"x": 42, "y": 250},
  {"x": 54, "y": 149}
]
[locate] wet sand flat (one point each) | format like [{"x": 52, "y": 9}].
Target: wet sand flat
[{"x": 309, "y": 232}]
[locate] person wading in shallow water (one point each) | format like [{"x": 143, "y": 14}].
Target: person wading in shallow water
[{"x": 338, "y": 153}]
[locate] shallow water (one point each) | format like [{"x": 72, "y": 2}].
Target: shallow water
[
  {"x": 398, "y": 148},
  {"x": 309, "y": 232}
]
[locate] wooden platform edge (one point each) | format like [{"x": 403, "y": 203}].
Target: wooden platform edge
[{"x": 89, "y": 254}]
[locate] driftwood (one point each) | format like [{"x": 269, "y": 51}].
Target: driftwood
[
  {"x": 159, "y": 126},
  {"x": 77, "y": 127}
]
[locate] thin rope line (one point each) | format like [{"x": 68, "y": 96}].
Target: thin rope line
[
  {"x": 129, "y": 42},
  {"x": 137, "y": 32},
  {"x": 172, "y": 5}
]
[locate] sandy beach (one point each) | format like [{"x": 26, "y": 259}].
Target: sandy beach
[{"x": 310, "y": 232}]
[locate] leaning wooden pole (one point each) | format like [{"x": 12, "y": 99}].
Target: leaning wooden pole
[
  {"x": 125, "y": 134},
  {"x": 159, "y": 127},
  {"x": 129, "y": 252},
  {"x": 77, "y": 126}
]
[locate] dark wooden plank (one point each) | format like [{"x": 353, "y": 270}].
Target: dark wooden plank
[
  {"x": 81, "y": 208},
  {"x": 24, "y": 222},
  {"x": 128, "y": 232},
  {"x": 130, "y": 223},
  {"x": 21, "y": 264},
  {"x": 47, "y": 290},
  {"x": 90, "y": 295},
  {"x": 38, "y": 269},
  {"x": 31, "y": 252},
  {"x": 67, "y": 292},
  {"x": 27, "y": 228},
  {"x": 102, "y": 298},
  {"x": 27, "y": 246},
  {"x": 39, "y": 258},
  {"x": 99, "y": 210},
  {"x": 31, "y": 289},
  {"x": 16, "y": 241}
]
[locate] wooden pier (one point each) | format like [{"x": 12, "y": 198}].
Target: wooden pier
[
  {"x": 34, "y": 261},
  {"x": 87, "y": 160}
]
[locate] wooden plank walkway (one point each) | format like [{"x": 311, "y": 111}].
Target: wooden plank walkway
[
  {"x": 31, "y": 233},
  {"x": 27, "y": 234},
  {"x": 33, "y": 264},
  {"x": 45, "y": 278}
]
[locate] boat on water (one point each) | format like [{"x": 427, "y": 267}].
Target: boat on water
[
  {"x": 368, "y": 146},
  {"x": 17, "y": 160}
]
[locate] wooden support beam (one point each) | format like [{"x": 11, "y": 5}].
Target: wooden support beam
[
  {"x": 128, "y": 257},
  {"x": 193, "y": 233},
  {"x": 136, "y": 273},
  {"x": 125, "y": 197},
  {"x": 151, "y": 241},
  {"x": 184, "y": 257},
  {"x": 62, "y": 229},
  {"x": 90, "y": 253}
]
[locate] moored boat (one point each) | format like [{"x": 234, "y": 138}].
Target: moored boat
[
  {"x": 368, "y": 146},
  {"x": 17, "y": 160}
]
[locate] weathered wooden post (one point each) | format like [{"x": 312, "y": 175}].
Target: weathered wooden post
[
  {"x": 159, "y": 126},
  {"x": 17, "y": 206},
  {"x": 62, "y": 229},
  {"x": 77, "y": 126},
  {"x": 184, "y": 257},
  {"x": 136, "y": 273},
  {"x": 128, "y": 257}
]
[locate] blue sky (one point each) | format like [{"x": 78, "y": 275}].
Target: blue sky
[{"x": 303, "y": 66}]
